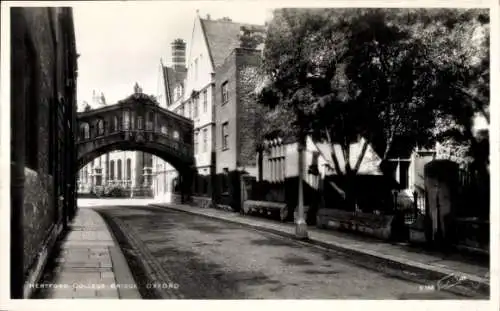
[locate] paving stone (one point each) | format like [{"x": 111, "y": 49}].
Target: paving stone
[
  {"x": 77, "y": 277},
  {"x": 89, "y": 235},
  {"x": 111, "y": 293},
  {"x": 107, "y": 275},
  {"x": 60, "y": 293},
  {"x": 87, "y": 264},
  {"x": 84, "y": 293}
]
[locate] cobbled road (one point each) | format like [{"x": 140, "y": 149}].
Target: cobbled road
[{"x": 182, "y": 256}]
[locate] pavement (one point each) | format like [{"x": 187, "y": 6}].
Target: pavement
[
  {"x": 453, "y": 272},
  {"x": 87, "y": 263}
]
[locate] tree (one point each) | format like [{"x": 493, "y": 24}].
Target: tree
[{"x": 380, "y": 74}]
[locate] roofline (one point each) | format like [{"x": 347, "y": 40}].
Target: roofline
[
  {"x": 206, "y": 43},
  {"x": 123, "y": 104}
]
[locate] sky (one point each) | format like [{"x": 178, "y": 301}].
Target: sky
[{"x": 121, "y": 43}]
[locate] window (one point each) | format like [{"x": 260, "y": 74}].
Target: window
[
  {"x": 164, "y": 129},
  {"x": 225, "y": 136},
  {"x": 224, "y": 92},
  {"x": 139, "y": 122},
  {"x": 129, "y": 169},
  {"x": 112, "y": 170},
  {"x": 149, "y": 121},
  {"x": 100, "y": 127},
  {"x": 196, "y": 102},
  {"x": 115, "y": 124},
  {"x": 205, "y": 139},
  {"x": 126, "y": 120},
  {"x": 195, "y": 142},
  {"x": 176, "y": 135},
  {"x": 205, "y": 101},
  {"x": 85, "y": 130},
  {"x": 119, "y": 169}
]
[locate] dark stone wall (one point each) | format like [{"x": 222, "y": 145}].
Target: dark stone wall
[
  {"x": 247, "y": 63},
  {"x": 43, "y": 90}
]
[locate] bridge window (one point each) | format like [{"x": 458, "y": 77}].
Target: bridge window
[
  {"x": 149, "y": 121},
  {"x": 129, "y": 169},
  {"x": 85, "y": 130},
  {"x": 100, "y": 127},
  {"x": 119, "y": 169},
  {"x": 115, "y": 124},
  {"x": 139, "y": 122},
  {"x": 176, "y": 135},
  {"x": 126, "y": 120}
]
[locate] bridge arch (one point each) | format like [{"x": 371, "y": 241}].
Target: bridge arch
[{"x": 137, "y": 123}]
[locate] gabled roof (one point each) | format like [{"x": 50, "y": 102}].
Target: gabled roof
[
  {"x": 222, "y": 38},
  {"x": 171, "y": 78}
]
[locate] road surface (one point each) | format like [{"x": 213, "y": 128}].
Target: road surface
[{"x": 183, "y": 256}]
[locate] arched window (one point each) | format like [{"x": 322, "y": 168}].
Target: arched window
[
  {"x": 100, "y": 127},
  {"x": 119, "y": 169},
  {"x": 129, "y": 169},
  {"x": 85, "y": 130},
  {"x": 112, "y": 170},
  {"x": 176, "y": 135},
  {"x": 126, "y": 120},
  {"x": 115, "y": 124}
]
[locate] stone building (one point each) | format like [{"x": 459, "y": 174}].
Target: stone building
[
  {"x": 43, "y": 115},
  {"x": 215, "y": 46}
]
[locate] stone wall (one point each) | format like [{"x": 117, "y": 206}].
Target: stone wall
[
  {"x": 42, "y": 101},
  {"x": 247, "y": 62},
  {"x": 39, "y": 207}
]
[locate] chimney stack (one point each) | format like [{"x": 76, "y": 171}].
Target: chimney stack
[{"x": 179, "y": 54}]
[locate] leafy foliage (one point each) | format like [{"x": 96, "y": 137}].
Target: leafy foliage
[{"x": 388, "y": 75}]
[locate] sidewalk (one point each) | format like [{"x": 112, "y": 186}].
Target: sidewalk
[
  {"x": 87, "y": 263},
  {"x": 456, "y": 272}
]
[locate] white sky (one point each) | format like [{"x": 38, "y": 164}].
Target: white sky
[{"x": 122, "y": 42}]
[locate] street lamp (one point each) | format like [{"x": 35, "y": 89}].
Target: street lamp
[{"x": 301, "y": 224}]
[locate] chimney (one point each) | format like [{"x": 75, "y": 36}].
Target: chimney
[{"x": 179, "y": 54}]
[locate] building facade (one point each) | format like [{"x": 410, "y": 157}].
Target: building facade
[
  {"x": 43, "y": 131},
  {"x": 215, "y": 46}
]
